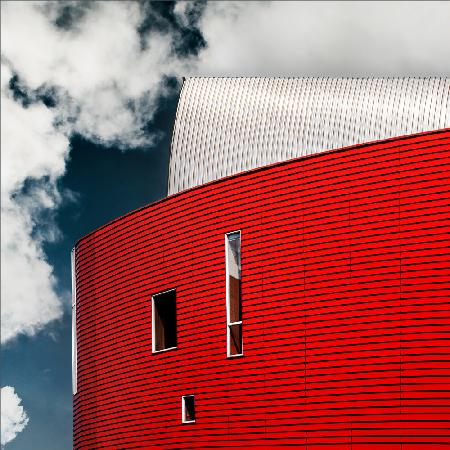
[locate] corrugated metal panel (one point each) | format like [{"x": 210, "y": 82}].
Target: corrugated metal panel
[
  {"x": 345, "y": 291},
  {"x": 227, "y": 125}
]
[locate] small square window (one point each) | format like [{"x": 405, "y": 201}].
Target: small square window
[
  {"x": 164, "y": 321},
  {"x": 188, "y": 409}
]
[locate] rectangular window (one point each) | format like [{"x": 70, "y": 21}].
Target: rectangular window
[
  {"x": 164, "y": 321},
  {"x": 187, "y": 409},
  {"x": 233, "y": 293},
  {"x": 74, "y": 323}
]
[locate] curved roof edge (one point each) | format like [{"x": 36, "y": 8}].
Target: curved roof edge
[{"x": 424, "y": 135}]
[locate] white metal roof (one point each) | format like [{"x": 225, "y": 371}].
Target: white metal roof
[{"x": 227, "y": 125}]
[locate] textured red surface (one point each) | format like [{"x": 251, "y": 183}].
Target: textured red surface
[{"x": 345, "y": 291}]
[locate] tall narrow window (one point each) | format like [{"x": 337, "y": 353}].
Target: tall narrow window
[
  {"x": 164, "y": 321},
  {"x": 74, "y": 323},
  {"x": 233, "y": 292},
  {"x": 188, "y": 409}
]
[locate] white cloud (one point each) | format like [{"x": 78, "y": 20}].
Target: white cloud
[
  {"x": 31, "y": 148},
  {"x": 111, "y": 84},
  {"x": 326, "y": 39},
  {"x": 107, "y": 82},
  {"x": 13, "y": 417}
]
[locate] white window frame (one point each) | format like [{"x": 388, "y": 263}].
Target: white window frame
[
  {"x": 229, "y": 355},
  {"x": 153, "y": 322},
  {"x": 183, "y": 409},
  {"x": 74, "y": 324}
]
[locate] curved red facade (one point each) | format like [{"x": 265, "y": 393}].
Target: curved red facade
[{"x": 345, "y": 308}]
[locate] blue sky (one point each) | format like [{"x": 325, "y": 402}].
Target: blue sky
[{"x": 89, "y": 94}]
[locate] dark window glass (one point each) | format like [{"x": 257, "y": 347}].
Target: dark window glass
[
  {"x": 164, "y": 321},
  {"x": 235, "y": 338},
  {"x": 188, "y": 408}
]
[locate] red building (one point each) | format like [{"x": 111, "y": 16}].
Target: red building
[{"x": 303, "y": 304}]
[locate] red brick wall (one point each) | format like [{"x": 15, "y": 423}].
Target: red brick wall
[{"x": 345, "y": 299}]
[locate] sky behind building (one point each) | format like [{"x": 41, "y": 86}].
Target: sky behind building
[{"x": 89, "y": 93}]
